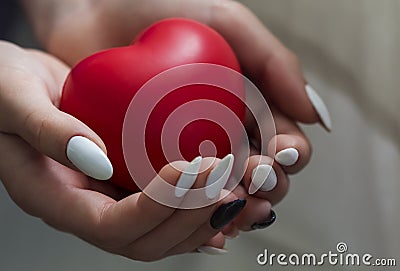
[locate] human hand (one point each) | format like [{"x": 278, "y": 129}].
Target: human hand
[
  {"x": 271, "y": 66},
  {"x": 38, "y": 174}
]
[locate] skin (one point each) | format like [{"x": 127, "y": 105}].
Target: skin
[{"x": 42, "y": 181}]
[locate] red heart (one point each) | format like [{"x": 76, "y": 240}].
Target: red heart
[{"x": 100, "y": 88}]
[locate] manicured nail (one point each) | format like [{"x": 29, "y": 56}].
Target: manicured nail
[
  {"x": 219, "y": 176},
  {"x": 89, "y": 158},
  {"x": 212, "y": 250},
  {"x": 188, "y": 177},
  {"x": 263, "y": 178},
  {"x": 320, "y": 107},
  {"x": 226, "y": 213},
  {"x": 266, "y": 223},
  {"x": 287, "y": 157}
]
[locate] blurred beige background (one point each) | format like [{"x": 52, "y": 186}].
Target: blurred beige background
[{"x": 349, "y": 193}]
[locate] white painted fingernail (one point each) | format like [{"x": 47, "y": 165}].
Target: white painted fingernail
[
  {"x": 287, "y": 157},
  {"x": 320, "y": 107},
  {"x": 89, "y": 158},
  {"x": 219, "y": 176},
  {"x": 188, "y": 177},
  {"x": 212, "y": 250},
  {"x": 263, "y": 178}
]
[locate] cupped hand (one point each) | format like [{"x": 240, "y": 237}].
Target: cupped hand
[
  {"x": 80, "y": 28},
  {"x": 39, "y": 177}
]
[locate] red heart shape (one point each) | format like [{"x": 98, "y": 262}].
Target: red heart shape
[{"x": 99, "y": 89}]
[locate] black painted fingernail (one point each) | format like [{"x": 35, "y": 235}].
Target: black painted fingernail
[
  {"x": 226, "y": 213},
  {"x": 266, "y": 223}
]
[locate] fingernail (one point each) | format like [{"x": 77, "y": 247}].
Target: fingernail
[
  {"x": 263, "y": 178},
  {"x": 226, "y": 213},
  {"x": 188, "y": 177},
  {"x": 266, "y": 223},
  {"x": 219, "y": 176},
  {"x": 320, "y": 107},
  {"x": 89, "y": 158},
  {"x": 212, "y": 250},
  {"x": 287, "y": 157}
]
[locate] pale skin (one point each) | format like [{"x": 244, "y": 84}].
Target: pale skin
[{"x": 34, "y": 133}]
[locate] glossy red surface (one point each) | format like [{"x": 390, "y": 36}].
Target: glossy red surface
[{"x": 99, "y": 89}]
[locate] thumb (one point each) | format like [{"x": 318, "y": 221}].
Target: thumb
[
  {"x": 29, "y": 84},
  {"x": 66, "y": 140}
]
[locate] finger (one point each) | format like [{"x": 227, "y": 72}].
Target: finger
[
  {"x": 56, "y": 67},
  {"x": 183, "y": 223},
  {"x": 29, "y": 96},
  {"x": 231, "y": 231},
  {"x": 275, "y": 69},
  {"x": 289, "y": 147},
  {"x": 292, "y": 150},
  {"x": 124, "y": 216},
  {"x": 154, "y": 216},
  {"x": 88, "y": 214},
  {"x": 108, "y": 188},
  {"x": 257, "y": 214},
  {"x": 265, "y": 179},
  {"x": 214, "y": 246},
  {"x": 52, "y": 192},
  {"x": 205, "y": 231},
  {"x": 68, "y": 206}
]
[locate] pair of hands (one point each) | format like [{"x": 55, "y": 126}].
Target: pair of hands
[{"x": 34, "y": 133}]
